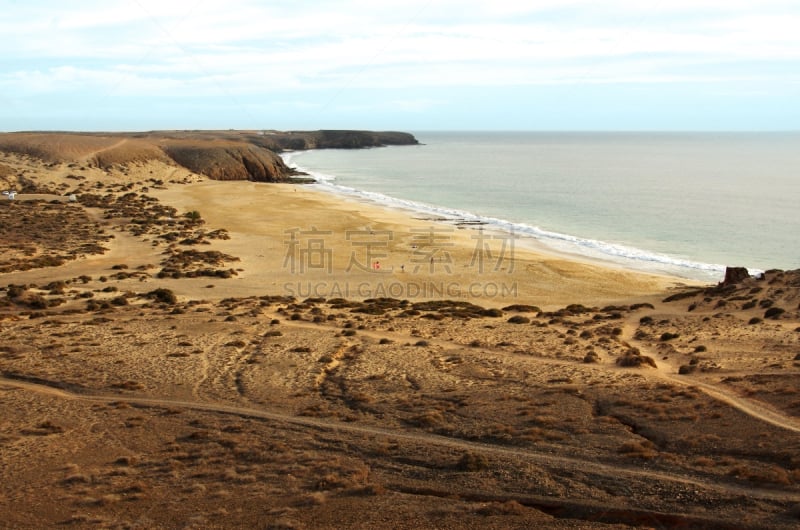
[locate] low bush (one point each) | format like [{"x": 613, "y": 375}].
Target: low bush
[
  {"x": 774, "y": 313},
  {"x": 165, "y": 296}
]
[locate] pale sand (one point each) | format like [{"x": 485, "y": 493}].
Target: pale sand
[{"x": 352, "y": 234}]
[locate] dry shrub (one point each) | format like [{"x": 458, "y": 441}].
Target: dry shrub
[
  {"x": 703, "y": 461},
  {"x": 165, "y": 296},
  {"x": 774, "y": 313},
  {"x": 644, "y": 449},
  {"x": 44, "y": 428},
  {"x": 125, "y": 461},
  {"x": 501, "y": 508},
  {"x": 432, "y": 418},
  {"x": 771, "y": 475},
  {"x": 634, "y": 359},
  {"x": 472, "y": 462},
  {"x": 232, "y": 475},
  {"x": 76, "y": 478},
  {"x": 316, "y": 498},
  {"x": 591, "y": 357},
  {"x": 361, "y": 397},
  {"x": 370, "y": 490},
  {"x": 107, "y": 499},
  {"x": 128, "y": 385}
]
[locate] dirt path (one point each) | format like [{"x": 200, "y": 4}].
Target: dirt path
[
  {"x": 87, "y": 158},
  {"x": 756, "y": 409},
  {"x": 752, "y": 408},
  {"x": 571, "y": 463}
]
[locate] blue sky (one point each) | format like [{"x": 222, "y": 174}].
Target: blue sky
[{"x": 407, "y": 65}]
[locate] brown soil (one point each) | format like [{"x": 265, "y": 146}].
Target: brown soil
[{"x": 138, "y": 392}]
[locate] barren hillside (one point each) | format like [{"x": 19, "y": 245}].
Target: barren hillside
[{"x": 220, "y": 155}]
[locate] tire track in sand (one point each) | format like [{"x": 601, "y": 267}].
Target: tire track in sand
[
  {"x": 570, "y": 464},
  {"x": 756, "y": 410}
]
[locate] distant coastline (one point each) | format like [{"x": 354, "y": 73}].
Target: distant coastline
[
  {"x": 220, "y": 155},
  {"x": 676, "y": 203}
]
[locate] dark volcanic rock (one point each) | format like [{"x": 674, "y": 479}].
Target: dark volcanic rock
[
  {"x": 359, "y": 139},
  {"x": 734, "y": 275},
  {"x": 330, "y": 139},
  {"x": 229, "y": 160}
]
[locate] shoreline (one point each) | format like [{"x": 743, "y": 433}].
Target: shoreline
[
  {"x": 333, "y": 252},
  {"x": 308, "y": 241},
  {"x": 592, "y": 251}
]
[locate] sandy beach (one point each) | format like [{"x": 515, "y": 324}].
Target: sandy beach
[
  {"x": 290, "y": 358},
  {"x": 297, "y": 240}
]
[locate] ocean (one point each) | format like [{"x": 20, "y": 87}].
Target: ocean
[{"x": 685, "y": 204}]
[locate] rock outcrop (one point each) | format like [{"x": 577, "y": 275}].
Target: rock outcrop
[
  {"x": 220, "y": 155},
  {"x": 229, "y": 160},
  {"x": 734, "y": 275},
  {"x": 329, "y": 139}
]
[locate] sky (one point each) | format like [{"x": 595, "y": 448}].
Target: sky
[{"x": 415, "y": 65}]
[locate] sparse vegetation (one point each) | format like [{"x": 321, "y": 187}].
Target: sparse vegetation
[
  {"x": 335, "y": 412},
  {"x": 164, "y": 296}
]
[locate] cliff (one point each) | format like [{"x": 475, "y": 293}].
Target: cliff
[
  {"x": 229, "y": 160},
  {"x": 331, "y": 139},
  {"x": 220, "y": 155}
]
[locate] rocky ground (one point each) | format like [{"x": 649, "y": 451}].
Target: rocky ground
[{"x": 126, "y": 405}]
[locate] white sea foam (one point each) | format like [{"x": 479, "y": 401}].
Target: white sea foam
[{"x": 619, "y": 254}]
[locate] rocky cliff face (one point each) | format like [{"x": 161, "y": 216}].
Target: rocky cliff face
[
  {"x": 360, "y": 139},
  {"x": 330, "y": 139},
  {"x": 252, "y": 156},
  {"x": 220, "y": 155},
  {"x": 229, "y": 160}
]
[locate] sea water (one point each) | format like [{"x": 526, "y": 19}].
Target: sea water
[{"x": 686, "y": 204}]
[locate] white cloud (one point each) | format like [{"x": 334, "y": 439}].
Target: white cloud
[{"x": 243, "y": 46}]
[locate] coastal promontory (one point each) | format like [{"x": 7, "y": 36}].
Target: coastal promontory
[{"x": 219, "y": 155}]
